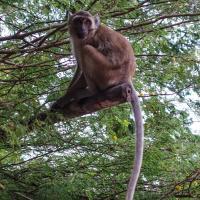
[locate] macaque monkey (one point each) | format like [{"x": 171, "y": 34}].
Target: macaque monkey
[{"x": 105, "y": 59}]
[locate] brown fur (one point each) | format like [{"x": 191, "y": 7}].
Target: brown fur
[{"x": 108, "y": 55}]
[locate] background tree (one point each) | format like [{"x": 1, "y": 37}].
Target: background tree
[{"x": 90, "y": 157}]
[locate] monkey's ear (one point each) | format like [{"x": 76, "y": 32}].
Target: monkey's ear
[
  {"x": 97, "y": 20},
  {"x": 69, "y": 14}
]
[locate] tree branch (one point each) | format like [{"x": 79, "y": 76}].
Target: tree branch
[{"x": 108, "y": 98}]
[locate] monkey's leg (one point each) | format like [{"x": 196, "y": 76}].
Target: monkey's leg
[
  {"x": 97, "y": 69},
  {"x": 95, "y": 57}
]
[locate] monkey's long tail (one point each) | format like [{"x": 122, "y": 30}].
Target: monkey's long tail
[{"x": 139, "y": 129}]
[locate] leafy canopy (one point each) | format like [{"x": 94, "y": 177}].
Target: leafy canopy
[{"x": 90, "y": 157}]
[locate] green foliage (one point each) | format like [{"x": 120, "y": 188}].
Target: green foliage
[{"x": 91, "y": 157}]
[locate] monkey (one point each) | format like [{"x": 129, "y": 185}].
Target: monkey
[{"x": 105, "y": 58}]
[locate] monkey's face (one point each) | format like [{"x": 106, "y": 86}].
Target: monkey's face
[{"x": 83, "y": 25}]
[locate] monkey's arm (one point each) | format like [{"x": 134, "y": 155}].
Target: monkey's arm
[{"x": 77, "y": 81}]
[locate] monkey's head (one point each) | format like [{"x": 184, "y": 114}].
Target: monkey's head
[{"x": 83, "y": 25}]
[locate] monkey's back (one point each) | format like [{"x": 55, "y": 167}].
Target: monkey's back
[{"x": 118, "y": 51}]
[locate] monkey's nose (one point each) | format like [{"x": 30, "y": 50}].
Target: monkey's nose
[{"x": 81, "y": 34}]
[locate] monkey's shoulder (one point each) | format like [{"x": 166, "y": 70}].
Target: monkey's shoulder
[
  {"x": 106, "y": 32},
  {"x": 111, "y": 39}
]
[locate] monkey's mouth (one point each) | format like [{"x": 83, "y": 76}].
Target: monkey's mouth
[{"x": 82, "y": 34}]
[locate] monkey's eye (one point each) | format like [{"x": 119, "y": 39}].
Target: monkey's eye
[
  {"x": 88, "y": 22},
  {"x": 78, "y": 21}
]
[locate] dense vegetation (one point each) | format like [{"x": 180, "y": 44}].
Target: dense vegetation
[{"x": 90, "y": 157}]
